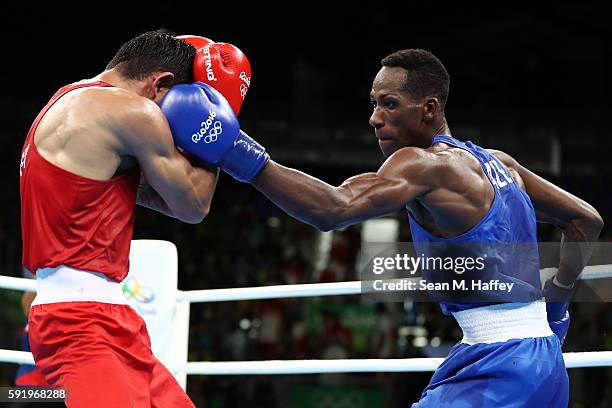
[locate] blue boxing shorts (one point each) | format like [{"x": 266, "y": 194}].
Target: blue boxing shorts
[{"x": 508, "y": 358}]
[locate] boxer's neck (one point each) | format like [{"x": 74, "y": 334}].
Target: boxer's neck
[{"x": 114, "y": 78}]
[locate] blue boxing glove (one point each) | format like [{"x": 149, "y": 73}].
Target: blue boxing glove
[
  {"x": 560, "y": 327},
  {"x": 557, "y": 302},
  {"x": 203, "y": 123}
]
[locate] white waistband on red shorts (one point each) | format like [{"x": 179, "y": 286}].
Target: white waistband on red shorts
[
  {"x": 65, "y": 284},
  {"x": 502, "y": 322}
]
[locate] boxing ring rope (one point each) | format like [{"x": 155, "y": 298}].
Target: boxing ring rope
[
  {"x": 396, "y": 365},
  {"x": 271, "y": 292},
  {"x": 24, "y": 285},
  {"x": 278, "y": 367},
  {"x": 282, "y": 291},
  {"x": 327, "y": 289}
]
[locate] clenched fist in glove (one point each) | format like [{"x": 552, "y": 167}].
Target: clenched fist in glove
[
  {"x": 222, "y": 66},
  {"x": 204, "y": 124}
]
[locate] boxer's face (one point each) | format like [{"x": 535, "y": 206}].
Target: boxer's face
[{"x": 397, "y": 118}]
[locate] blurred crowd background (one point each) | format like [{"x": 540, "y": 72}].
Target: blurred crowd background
[{"x": 534, "y": 84}]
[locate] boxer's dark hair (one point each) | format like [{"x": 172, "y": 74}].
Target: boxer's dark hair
[
  {"x": 155, "y": 51},
  {"x": 426, "y": 74}
]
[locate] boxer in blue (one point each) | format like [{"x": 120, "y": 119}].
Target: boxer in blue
[{"x": 454, "y": 192}]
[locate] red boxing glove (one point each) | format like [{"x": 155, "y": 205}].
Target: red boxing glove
[
  {"x": 222, "y": 66},
  {"x": 225, "y": 68}
]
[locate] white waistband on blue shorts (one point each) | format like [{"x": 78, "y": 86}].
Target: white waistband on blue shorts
[
  {"x": 65, "y": 284},
  {"x": 502, "y": 322}
]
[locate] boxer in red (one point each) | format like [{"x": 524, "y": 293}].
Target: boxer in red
[{"x": 99, "y": 147}]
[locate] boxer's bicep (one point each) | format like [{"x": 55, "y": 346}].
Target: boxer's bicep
[
  {"x": 402, "y": 178},
  {"x": 149, "y": 140},
  {"x": 326, "y": 207},
  {"x": 371, "y": 195},
  {"x": 578, "y": 220},
  {"x": 552, "y": 204}
]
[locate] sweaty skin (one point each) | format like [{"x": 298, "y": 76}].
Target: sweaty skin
[
  {"x": 102, "y": 132},
  {"x": 443, "y": 187}
]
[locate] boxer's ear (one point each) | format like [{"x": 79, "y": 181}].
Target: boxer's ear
[
  {"x": 431, "y": 107},
  {"x": 163, "y": 80},
  {"x": 160, "y": 84}
]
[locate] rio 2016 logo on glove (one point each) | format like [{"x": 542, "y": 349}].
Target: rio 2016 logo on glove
[{"x": 213, "y": 135}]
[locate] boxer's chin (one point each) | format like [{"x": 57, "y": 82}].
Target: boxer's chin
[{"x": 387, "y": 146}]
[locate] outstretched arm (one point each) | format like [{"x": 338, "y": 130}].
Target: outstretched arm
[{"x": 399, "y": 180}]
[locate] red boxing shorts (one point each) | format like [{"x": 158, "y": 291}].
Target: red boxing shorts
[{"x": 100, "y": 353}]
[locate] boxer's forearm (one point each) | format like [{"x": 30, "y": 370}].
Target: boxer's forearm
[
  {"x": 304, "y": 197},
  {"x": 576, "y": 248},
  {"x": 203, "y": 180},
  {"x": 149, "y": 198},
  {"x": 327, "y": 207}
]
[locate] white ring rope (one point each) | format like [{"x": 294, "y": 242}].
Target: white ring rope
[
  {"x": 280, "y": 291},
  {"x": 16, "y": 357},
  {"x": 329, "y": 289},
  {"x": 271, "y": 367},
  {"x": 277, "y": 367},
  {"x": 271, "y": 292},
  {"x": 281, "y": 367},
  {"x": 22, "y": 284}
]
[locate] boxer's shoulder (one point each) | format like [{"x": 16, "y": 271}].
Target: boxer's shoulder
[
  {"x": 442, "y": 170},
  {"x": 508, "y": 161},
  {"x": 433, "y": 165},
  {"x": 124, "y": 112},
  {"x": 113, "y": 116},
  {"x": 511, "y": 164},
  {"x": 457, "y": 167},
  {"x": 411, "y": 157},
  {"x": 99, "y": 107},
  {"x": 118, "y": 102}
]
